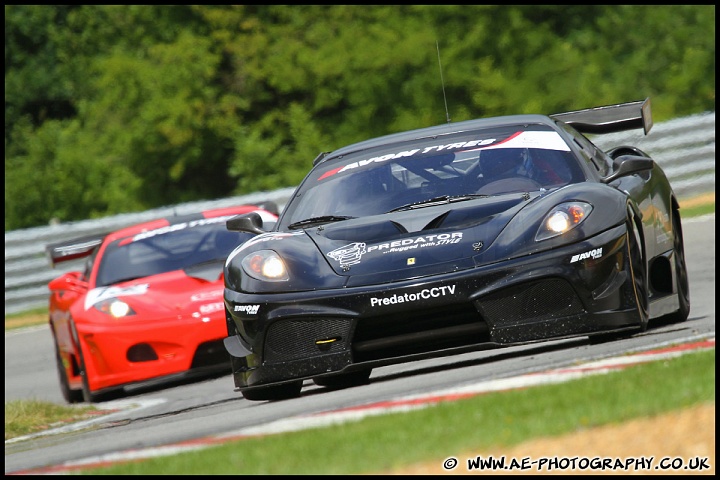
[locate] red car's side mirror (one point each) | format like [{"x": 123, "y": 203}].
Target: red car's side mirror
[{"x": 68, "y": 281}]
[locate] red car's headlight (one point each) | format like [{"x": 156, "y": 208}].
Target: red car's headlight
[{"x": 115, "y": 307}]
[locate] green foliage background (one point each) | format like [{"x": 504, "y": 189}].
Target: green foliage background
[{"x": 120, "y": 108}]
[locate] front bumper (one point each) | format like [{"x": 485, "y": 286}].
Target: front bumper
[
  {"x": 124, "y": 354},
  {"x": 576, "y": 290}
]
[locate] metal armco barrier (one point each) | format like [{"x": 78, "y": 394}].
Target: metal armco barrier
[{"x": 685, "y": 147}]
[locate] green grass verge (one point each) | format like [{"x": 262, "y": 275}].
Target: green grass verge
[
  {"x": 697, "y": 211},
  {"x": 23, "y": 417},
  {"x": 489, "y": 421}
]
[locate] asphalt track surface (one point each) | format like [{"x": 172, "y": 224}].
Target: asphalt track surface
[{"x": 155, "y": 422}]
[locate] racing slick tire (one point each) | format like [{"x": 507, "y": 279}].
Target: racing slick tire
[
  {"x": 346, "y": 380},
  {"x": 70, "y": 395},
  {"x": 88, "y": 395},
  {"x": 681, "y": 278},
  {"x": 639, "y": 276}
]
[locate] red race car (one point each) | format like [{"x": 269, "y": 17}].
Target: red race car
[{"x": 148, "y": 307}]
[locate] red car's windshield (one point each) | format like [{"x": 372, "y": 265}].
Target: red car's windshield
[{"x": 170, "y": 249}]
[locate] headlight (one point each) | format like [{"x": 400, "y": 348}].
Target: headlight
[
  {"x": 563, "y": 218},
  {"x": 265, "y": 265},
  {"x": 115, "y": 308}
]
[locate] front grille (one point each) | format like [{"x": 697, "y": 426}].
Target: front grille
[
  {"x": 531, "y": 302},
  {"x": 302, "y": 338},
  {"x": 418, "y": 331}
]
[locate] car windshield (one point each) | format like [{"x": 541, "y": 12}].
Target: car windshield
[
  {"x": 166, "y": 249},
  {"x": 514, "y": 158}
]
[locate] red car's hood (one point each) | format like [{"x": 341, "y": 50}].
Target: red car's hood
[{"x": 174, "y": 293}]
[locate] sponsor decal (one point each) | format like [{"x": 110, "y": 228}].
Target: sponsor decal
[
  {"x": 97, "y": 295},
  {"x": 204, "y": 296},
  {"x": 349, "y": 254},
  {"x": 424, "y": 294},
  {"x": 352, "y": 253},
  {"x": 212, "y": 307},
  {"x": 181, "y": 226},
  {"x": 417, "y": 242},
  {"x": 544, "y": 140},
  {"x": 247, "y": 309},
  {"x": 594, "y": 254}
]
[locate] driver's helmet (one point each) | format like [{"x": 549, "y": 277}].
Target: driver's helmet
[{"x": 505, "y": 162}]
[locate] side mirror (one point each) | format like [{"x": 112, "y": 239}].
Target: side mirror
[
  {"x": 68, "y": 281},
  {"x": 270, "y": 206},
  {"x": 627, "y": 165},
  {"x": 250, "y": 222}
]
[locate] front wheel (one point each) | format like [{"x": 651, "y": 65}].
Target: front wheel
[
  {"x": 682, "y": 285},
  {"x": 70, "y": 395},
  {"x": 88, "y": 395},
  {"x": 635, "y": 264},
  {"x": 638, "y": 273}
]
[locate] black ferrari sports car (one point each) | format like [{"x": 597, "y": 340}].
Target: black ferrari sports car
[{"x": 477, "y": 234}]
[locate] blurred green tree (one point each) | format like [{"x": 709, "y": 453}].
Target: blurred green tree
[{"x": 121, "y": 108}]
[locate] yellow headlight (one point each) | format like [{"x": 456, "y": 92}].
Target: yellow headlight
[{"x": 265, "y": 265}]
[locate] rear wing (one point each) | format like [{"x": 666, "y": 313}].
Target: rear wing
[
  {"x": 73, "y": 249},
  {"x": 610, "y": 118}
]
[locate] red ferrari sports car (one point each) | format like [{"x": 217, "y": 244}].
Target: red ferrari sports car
[{"x": 148, "y": 307}]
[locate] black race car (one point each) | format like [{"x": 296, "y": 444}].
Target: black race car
[{"x": 477, "y": 234}]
